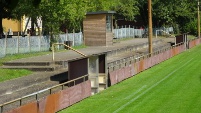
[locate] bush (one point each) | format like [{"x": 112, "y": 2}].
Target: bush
[{"x": 191, "y": 27}]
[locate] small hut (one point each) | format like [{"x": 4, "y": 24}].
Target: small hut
[{"x": 97, "y": 27}]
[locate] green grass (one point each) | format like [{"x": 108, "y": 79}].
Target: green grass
[
  {"x": 8, "y": 74},
  {"x": 174, "y": 86}
]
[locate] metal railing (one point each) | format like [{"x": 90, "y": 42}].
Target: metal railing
[
  {"x": 53, "y": 50},
  {"x": 141, "y": 57},
  {"x": 41, "y": 91}
]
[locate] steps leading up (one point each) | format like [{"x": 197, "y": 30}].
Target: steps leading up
[{"x": 34, "y": 66}]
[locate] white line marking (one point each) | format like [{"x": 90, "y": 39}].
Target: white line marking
[
  {"x": 120, "y": 108},
  {"x": 128, "y": 97}
]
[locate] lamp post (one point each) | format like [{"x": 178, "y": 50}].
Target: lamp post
[
  {"x": 150, "y": 26},
  {"x": 198, "y": 19}
]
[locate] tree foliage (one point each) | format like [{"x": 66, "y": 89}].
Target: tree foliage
[
  {"x": 8, "y": 7},
  {"x": 69, "y": 14}
]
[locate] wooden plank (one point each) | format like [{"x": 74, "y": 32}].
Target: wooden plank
[
  {"x": 97, "y": 16},
  {"x": 94, "y": 22},
  {"x": 103, "y": 29},
  {"x": 95, "y": 43},
  {"x": 95, "y": 33}
]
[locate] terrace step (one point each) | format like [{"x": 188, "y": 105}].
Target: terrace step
[
  {"x": 35, "y": 68},
  {"x": 27, "y": 63},
  {"x": 18, "y": 63},
  {"x": 30, "y": 94},
  {"x": 118, "y": 58}
]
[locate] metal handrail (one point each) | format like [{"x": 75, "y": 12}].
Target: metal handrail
[
  {"x": 67, "y": 47},
  {"x": 41, "y": 91},
  {"x": 149, "y": 54}
]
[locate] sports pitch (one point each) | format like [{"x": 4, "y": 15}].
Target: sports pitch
[{"x": 173, "y": 86}]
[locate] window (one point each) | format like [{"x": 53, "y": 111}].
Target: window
[{"x": 108, "y": 23}]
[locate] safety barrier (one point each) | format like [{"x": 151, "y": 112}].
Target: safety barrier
[
  {"x": 54, "y": 101},
  {"x": 194, "y": 42},
  {"x": 133, "y": 66}
]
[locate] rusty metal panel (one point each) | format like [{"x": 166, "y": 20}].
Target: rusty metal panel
[
  {"x": 160, "y": 55},
  {"x": 86, "y": 89},
  {"x": 157, "y": 59},
  {"x": 141, "y": 65},
  {"x": 49, "y": 104},
  {"x": 177, "y": 50},
  {"x": 75, "y": 94},
  {"x": 127, "y": 72},
  {"x": 149, "y": 62},
  {"x": 113, "y": 77},
  {"x": 135, "y": 68},
  {"x": 153, "y": 60},
  {"x": 145, "y": 63},
  {"x": 168, "y": 53},
  {"x": 173, "y": 52},
  {"x": 64, "y": 99},
  {"x": 198, "y": 41},
  {"x": 190, "y": 44},
  {"x": 77, "y": 68},
  {"x": 120, "y": 74},
  {"x": 132, "y": 69},
  {"x": 27, "y": 108}
]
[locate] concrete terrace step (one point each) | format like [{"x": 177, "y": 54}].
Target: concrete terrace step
[
  {"x": 11, "y": 63},
  {"x": 36, "y": 68},
  {"x": 130, "y": 48},
  {"x": 11, "y": 95},
  {"x": 120, "y": 57},
  {"x": 35, "y": 78}
]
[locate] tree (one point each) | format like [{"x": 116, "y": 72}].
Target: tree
[
  {"x": 7, "y": 7},
  {"x": 169, "y": 12}
]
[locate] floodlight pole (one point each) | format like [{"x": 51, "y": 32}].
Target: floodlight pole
[
  {"x": 150, "y": 26},
  {"x": 198, "y": 19}
]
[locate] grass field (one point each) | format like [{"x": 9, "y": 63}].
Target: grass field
[{"x": 174, "y": 86}]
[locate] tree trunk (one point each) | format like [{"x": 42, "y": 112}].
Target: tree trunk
[
  {"x": 1, "y": 27},
  {"x": 32, "y": 26}
]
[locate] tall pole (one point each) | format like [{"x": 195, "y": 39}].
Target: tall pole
[
  {"x": 198, "y": 19},
  {"x": 150, "y": 26}
]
